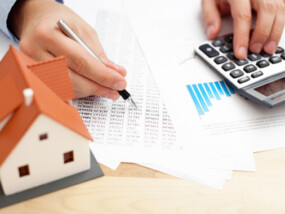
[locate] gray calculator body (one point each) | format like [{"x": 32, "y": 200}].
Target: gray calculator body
[{"x": 260, "y": 77}]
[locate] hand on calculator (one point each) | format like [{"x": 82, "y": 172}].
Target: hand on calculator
[{"x": 268, "y": 29}]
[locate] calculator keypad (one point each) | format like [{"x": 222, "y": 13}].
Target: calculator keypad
[
  {"x": 226, "y": 49},
  {"x": 218, "y": 43},
  {"x": 249, "y": 68},
  {"x": 264, "y": 54},
  {"x": 220, "y": 59},
  {"x": 279, "y": 50},
  {"x": 257, "y": 74},
  {"x": 243, "y": 79},
  {"x": 209, "y": 51},
  {"x": 229, "y": 39},
  {"x": 253, "y": 57},
  {"x": 236, "y": 73},
  {"x": 241, "y": 62},
  {"x": 275, "y": 59},
  {"x": 241, "y": 71},
  {"x": 228, "y": 66},
  {"x": 262, "y": 63}
]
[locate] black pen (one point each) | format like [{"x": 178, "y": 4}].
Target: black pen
[{"x": 71, "y": 34}]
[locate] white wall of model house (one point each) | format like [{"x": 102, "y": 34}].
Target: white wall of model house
[{"x": 45, "y": 158}]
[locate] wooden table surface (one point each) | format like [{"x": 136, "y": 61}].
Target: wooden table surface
[{"x": 135, "y": 189}]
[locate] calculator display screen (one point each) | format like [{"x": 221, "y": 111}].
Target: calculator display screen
[{"x": 272, "y": 87}]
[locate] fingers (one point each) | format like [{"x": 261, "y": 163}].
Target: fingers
[
  {"x": 241, "y": 13},
  {"x": 80, "y": 61},
  {"x": 84, "y": 87},
  {"x": 89, "y": 76},
  {"x": 276, "y": 32},
  {"x": 268, "y": 29},
  {"x": 211, "y": 17},
  {"x": 111, "y": 64},
  {"x": 116, "y": 67},
  {"x": 264, "y": 22}
]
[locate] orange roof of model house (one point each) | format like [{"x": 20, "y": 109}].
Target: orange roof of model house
[{"x": 51, "y": 85}]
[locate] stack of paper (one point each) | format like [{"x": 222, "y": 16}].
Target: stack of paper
[{"x": 154, "y": 40}]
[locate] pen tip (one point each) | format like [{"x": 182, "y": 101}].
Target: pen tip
[{"x": 133, "y": 103}]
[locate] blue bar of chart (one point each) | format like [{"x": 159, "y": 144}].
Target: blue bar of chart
[{"x": 202, "y": 94}]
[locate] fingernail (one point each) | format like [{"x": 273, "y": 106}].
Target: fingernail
[
  {"x": 112, "y": 96},
  {"x": 256, "y": 47},
  {"x": 119, "y": 85},
  {"x": 271, "y": 47},
  {"x": 242, "y": 52},
  {"x": 210, "y": 30}
]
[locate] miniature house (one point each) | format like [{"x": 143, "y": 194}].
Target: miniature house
[{"x": 42, "y": 137}]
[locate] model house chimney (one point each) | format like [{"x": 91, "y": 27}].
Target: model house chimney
[{"x": 28, "y": 94}]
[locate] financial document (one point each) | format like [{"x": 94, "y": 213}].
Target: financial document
[
  {"x": 145, "y": 136},
  {"x": 236, "y": 124},
  {"x": 116, "y": 124}
]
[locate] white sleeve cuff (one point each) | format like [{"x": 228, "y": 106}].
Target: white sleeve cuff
[{"x": 5, "y": 8}]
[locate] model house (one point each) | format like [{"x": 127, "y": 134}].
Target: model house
[{"x": 42, "y": 137}]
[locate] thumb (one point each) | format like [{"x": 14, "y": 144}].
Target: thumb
[{"x": 211, "y": 17}]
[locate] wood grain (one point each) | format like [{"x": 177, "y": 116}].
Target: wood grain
[{"x": 135, "y": 189}]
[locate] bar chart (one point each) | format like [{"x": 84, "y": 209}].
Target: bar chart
[{"x": 204, "y": 94}]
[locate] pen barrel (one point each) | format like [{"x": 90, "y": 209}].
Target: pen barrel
[{"x": 124, "y": 94}]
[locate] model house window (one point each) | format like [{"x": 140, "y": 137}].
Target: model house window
[
  {"x": 43, "y": 136},
  {"x": 68, "y": 157},
  {"x": 24, "y": 171}
]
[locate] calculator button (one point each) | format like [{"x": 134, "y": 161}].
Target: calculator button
[
  {"x": 283, "y": 56},
  {"x": 275, "y": 59},
  {"x": 208, "y": 50},
  {"x": 256, "y": 74},
  {"x": 249, "y": 68},
  {"x": 262, "y": 63},
  {"x": 279, "y": 50},
  {"x": 231, "y": 56},
  {"x": 229, "y": 39},
  {"x": 228, "y": 66},
  {"x": 253, "y": 57},
  {"x": 226, "y": 49},
  {"x": 264, "y": 54},
  {"x": 236, "y": 73},
  {"x": 243, "y": 79},
  {"x": 218, "y": 43},
  {"x": 220, "y": 59},
  {"x": 241, "y": 62}
]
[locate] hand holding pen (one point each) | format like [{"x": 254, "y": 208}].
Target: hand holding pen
[
  {"x": 71, "y": 34},
  {"x": 34, "y": 23}
]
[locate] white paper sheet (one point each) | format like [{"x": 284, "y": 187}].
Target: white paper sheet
[
  {"x": 173, "y": 37},
  {"x": 119, "y": 132},
  {"x": 234, "y": 117},
  {"x": 123, "y": 134},
  {"x": 116, "y": 125},
  {"x": 211, "y": 177}
]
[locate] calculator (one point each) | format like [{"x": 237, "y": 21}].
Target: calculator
[{"x": 259, "y": 77}]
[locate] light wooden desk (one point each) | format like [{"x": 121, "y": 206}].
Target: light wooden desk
[{"x": 134, "y": 189}]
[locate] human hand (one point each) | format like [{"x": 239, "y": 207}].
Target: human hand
[
  {"x": 35, "y": 24},
  {"x": 268, "y": 29}
]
